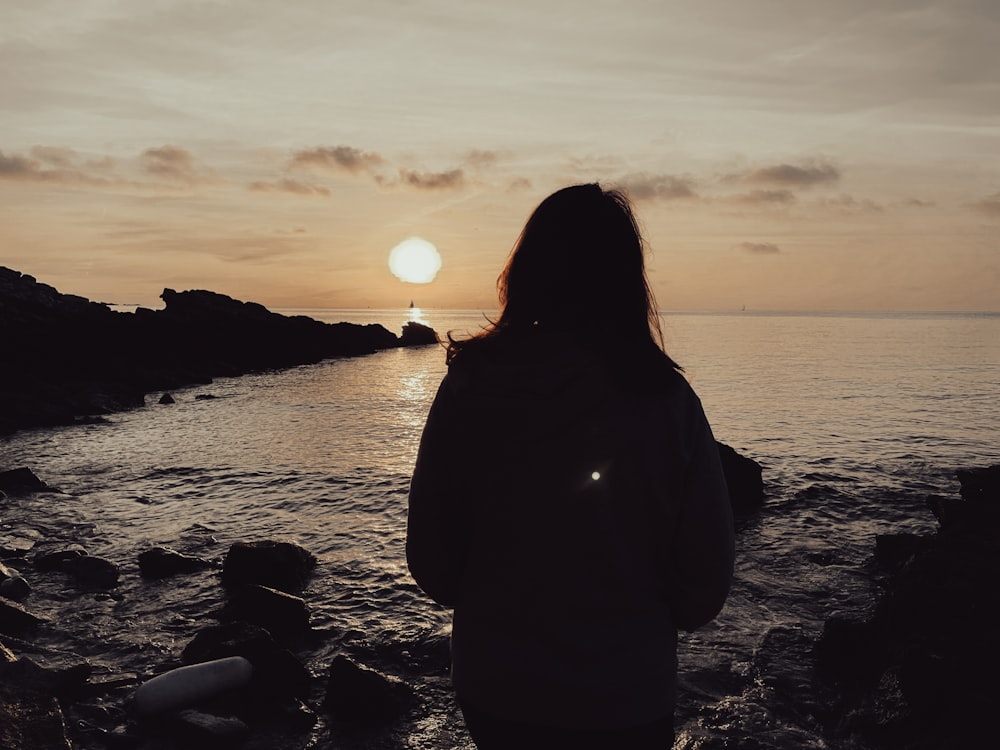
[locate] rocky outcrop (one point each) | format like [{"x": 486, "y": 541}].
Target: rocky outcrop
[
  {"x": 278, "y": 565},
  {"x": 922, "y": 670},
  {"x": 68, "y": 359},
  {"x": 744, "y": 477}
]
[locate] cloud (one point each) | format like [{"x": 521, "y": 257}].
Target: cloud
[
  {"x": 54, "y": 165},
  {"x": 478, "y": 159},
  {"x": 758, "y": 248},
  {"x": 340, "y": 158},
  {"x": 172, "y": 163},
  {"x": 453, "y": 178},
  {"x": 789, "y": 175},
  {"x": 288, "y": 186},
  {"x": 518, "y": 184},
  {"x": 990, "y": 205},
  {"x": 641, "y": 186},
  {"x": 764, "y": 197},
  {"x": 847, "y": 204}
]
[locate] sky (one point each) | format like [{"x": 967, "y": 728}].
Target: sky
[{"x": 780, "y": 154}]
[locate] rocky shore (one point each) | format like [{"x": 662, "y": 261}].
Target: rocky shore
[
  {"x": 921, "y": 671},
  {"x": 65, "y": 359}
]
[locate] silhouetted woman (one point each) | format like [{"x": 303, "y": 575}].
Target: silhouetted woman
[{"x": 568, "y": 500}]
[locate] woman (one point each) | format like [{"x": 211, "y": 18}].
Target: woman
[{"x": 568, "y": 499}]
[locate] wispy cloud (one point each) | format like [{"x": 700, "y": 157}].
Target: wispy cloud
[
  {"x": 990, "y": 205},
  {"x": 789, "y": 175},
  {"x": 57, "y": 165},
  {"x": 642, "y": 186},
  {"x": 448, "y": 180},
  {"x": 174, "y": 164},
  {"x": 763, "y": 198},
  {"x": 338, "y": 158},
  {"x": 758, "y": 248},
  {"x": 288, "y": 186},
  {"x": 848, "y": 204}
]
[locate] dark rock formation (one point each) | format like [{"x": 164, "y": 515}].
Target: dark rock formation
[
  {"x": 160, "y": 562},
  {"x": 358, "y": 695},
  {"x": 21, "y": 481},
  {"x": 79, "y": 359},
  {"x": 744, "y": 479},
  {"x": 16, "y": 620},
  {"x": 279, "y": 613},
  {"x": 922, "y": 670},
  {"x": 417, "y": 334},
  {"x": 93, "y": 572},
  {"x": 277, "y": 565}
]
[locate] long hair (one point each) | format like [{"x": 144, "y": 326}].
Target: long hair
[{"x": 578, "y": 267}]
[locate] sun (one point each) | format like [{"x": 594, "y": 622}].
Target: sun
[{"x": 415, "y": 261}]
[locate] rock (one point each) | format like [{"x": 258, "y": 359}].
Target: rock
[
  {"x": 93, "y": 572},
  {"x": 205, "y": 727},
  {"x": 279, "y": 613},
  {"x": 166, "y": 398},
  {"x": 276, "y": 670},
  {"x": 58, "y": 560},
  {"x": 277, "y": 565},
  {"x": 16, "y": 545},
  {"x": 16, "y": 620},
  {"x": 6, "y": 655},
  {"x": 417, "y": 334},
  {"x": 21, "y": 481},
  {"x": 744, "y": 479},
  {"x": 15, "y": 588},
  {"x": 892, "y": 551},
  {"x": 980, "y": 485},
  {"x": 60, "y": 682},
  {"x": 356, "y": 694},
  {"x": 29, "y": 721},
  {"x": 924, "y": 665},
  {"x": 160, "y": 562}
]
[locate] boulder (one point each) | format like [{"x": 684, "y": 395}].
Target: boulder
[
  {"x": 279, "y": 613},
  {"x": 16, "y": 620},
  {"x": 277, "y": 565},
  {"x": 161, "y": 562},
  {"x": 91, "y": 572},
  {"x": 58, "y": 560},
  {"x": 417, "y": 334},
  {"x": 744, "y": 477},
  {"x": 359, "y": 695},
  {"x": 166, "y": 399},
  {"x": 15, "y": 588},
  {"x": 276, "y": 670},
  {"x": 21, "y": 481}
]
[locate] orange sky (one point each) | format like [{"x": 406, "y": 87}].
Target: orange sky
[{"x": 808, "y": 155}]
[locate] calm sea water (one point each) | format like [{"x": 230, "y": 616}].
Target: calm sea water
[{"x": 855, "y": 418}]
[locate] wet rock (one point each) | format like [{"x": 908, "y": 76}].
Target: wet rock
[
  {"x": 17, "y": 544},
  {"x": 358, "y": 695},
  {"x": 744, "y": 477},
  {"x": 921, "y": 671},
  {"x": 60, "y": 682},
  {"x": 191, "y": 684},
  {"x": 58, "y": 560},
  {"x": 165, "y": 399},
  {"x": 276, "y": 670},
  {"x": 16, "y": 620},
  {"x": 279, "y": 613},
  {"x": 15, "y": 588},
  {"x": 21, "y": 481},
  {"x": 892, "y": 551},
  {"x": 93, "y": 572},
  {"x": 277, "y": 565},
  {"x": 6, "y": 655},
  {"x": 207, "y": 728},
  {"x": 30, "y": 721},
  {"x": 161, "y": 562}
]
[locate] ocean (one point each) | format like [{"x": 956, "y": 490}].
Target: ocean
[{"x": 855, "y": 418}]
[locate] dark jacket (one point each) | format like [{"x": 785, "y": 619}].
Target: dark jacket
[{"x": 574, "y": 523}]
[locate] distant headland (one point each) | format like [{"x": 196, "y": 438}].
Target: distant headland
[{"x": 65, "y": 359}]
